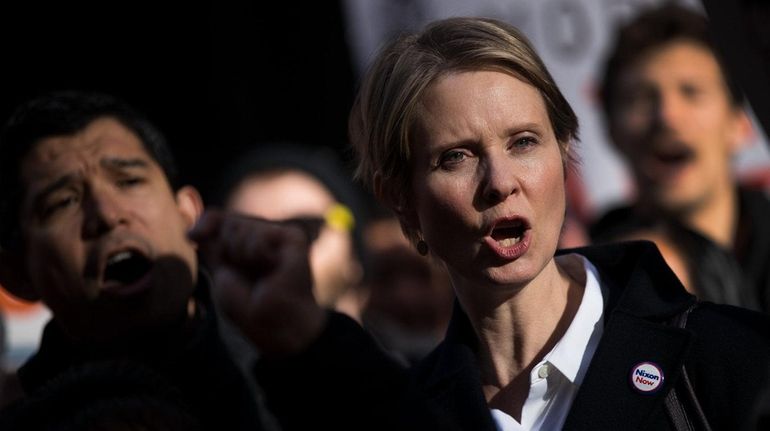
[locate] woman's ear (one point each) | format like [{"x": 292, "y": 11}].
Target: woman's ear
[
  {"x": 14, "y": 279},
  {"x": 190, "y": 204},
  {"x": 398, "y": 202},
  {"x": 408, "y": 218},
  {"x": 378, "y": 189}
]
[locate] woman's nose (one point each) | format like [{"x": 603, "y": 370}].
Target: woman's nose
[{"x": 499, "y": 180}]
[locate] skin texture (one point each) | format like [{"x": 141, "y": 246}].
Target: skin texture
[
  {"x": 87, "y": 197},
  {"x": 486, "y": 150}
]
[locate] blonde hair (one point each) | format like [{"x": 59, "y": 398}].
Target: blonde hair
[{"x": 385, "y": 109}]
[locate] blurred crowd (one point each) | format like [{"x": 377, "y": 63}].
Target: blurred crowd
[{"x": 671, "y": 110}]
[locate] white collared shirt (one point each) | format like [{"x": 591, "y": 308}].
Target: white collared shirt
[{"x": 555, "y": 380}]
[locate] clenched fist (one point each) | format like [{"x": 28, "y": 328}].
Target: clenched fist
[{"x": 262, "y": 279}]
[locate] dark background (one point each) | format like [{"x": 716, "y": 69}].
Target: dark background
[
  {"x": 219, "y": 77},
  {"x": 742, "y": 31},
  {"x": 215, "y": 76}
]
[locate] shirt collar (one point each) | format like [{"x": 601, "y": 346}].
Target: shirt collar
[{"x": 572, "y": 354}]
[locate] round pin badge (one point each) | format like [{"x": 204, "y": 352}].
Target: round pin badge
[{"x": 646, "y": 377}]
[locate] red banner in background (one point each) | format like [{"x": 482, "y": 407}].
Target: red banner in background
[{"x": 10, "y": 305}]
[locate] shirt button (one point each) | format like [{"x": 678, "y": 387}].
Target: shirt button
[{"x": 542, "y": 372}]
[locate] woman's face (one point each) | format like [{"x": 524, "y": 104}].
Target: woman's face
[{"x": 487, "y": 178}]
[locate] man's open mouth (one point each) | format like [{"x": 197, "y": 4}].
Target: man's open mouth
[
  {"x": 126, "y": 267},
  {"x": 674, "y": 156}
]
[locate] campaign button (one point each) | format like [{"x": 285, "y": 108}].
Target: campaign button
[{"x": 646, "y": 377}]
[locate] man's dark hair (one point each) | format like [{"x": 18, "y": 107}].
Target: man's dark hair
[
  {"x": 63, "y": 114},
  {"x": 650, "y": 30}
]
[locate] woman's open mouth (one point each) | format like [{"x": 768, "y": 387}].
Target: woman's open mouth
[
  {"x": 510, "y": 237},
  {"x": 507, "y": 236}
]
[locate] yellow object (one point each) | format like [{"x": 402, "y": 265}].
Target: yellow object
[{"x": 340, "y": 217}]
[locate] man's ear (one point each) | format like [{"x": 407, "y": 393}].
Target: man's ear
[
  {"x": 741, "y": 132},
  {"x": 190, "y": 204},
  {"x": 14, "y": 279}
]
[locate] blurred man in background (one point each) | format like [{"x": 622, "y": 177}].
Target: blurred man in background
[{"x": 678, "y": 119}]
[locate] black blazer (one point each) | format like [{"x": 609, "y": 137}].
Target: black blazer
[{"x": 725, "y": 350}]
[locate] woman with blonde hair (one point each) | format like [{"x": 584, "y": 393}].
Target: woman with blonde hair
[{"x": 462, "y": 132}]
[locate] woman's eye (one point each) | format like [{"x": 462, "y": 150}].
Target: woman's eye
[
  {"x": 451, "y": 157},
  {"x": 524, "y": 142},
  {"x": 454, "y": 156}
]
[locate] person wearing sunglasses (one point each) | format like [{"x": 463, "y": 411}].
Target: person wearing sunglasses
[{"x": 307, "y": 187}]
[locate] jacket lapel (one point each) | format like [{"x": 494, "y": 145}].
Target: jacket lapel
[
  {"x": 642, "y": 296},
  {"x": 607, "y": 399}
]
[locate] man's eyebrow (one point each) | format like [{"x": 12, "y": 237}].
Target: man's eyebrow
[
  {"x": 66, "y": 180},
  {"x": 119, "y": 163}
]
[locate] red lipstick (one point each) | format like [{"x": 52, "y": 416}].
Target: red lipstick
[{"x": 509, "y": 237}]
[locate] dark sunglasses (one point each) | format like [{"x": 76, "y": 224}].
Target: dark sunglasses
[{"x": 338, "y": 217}]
